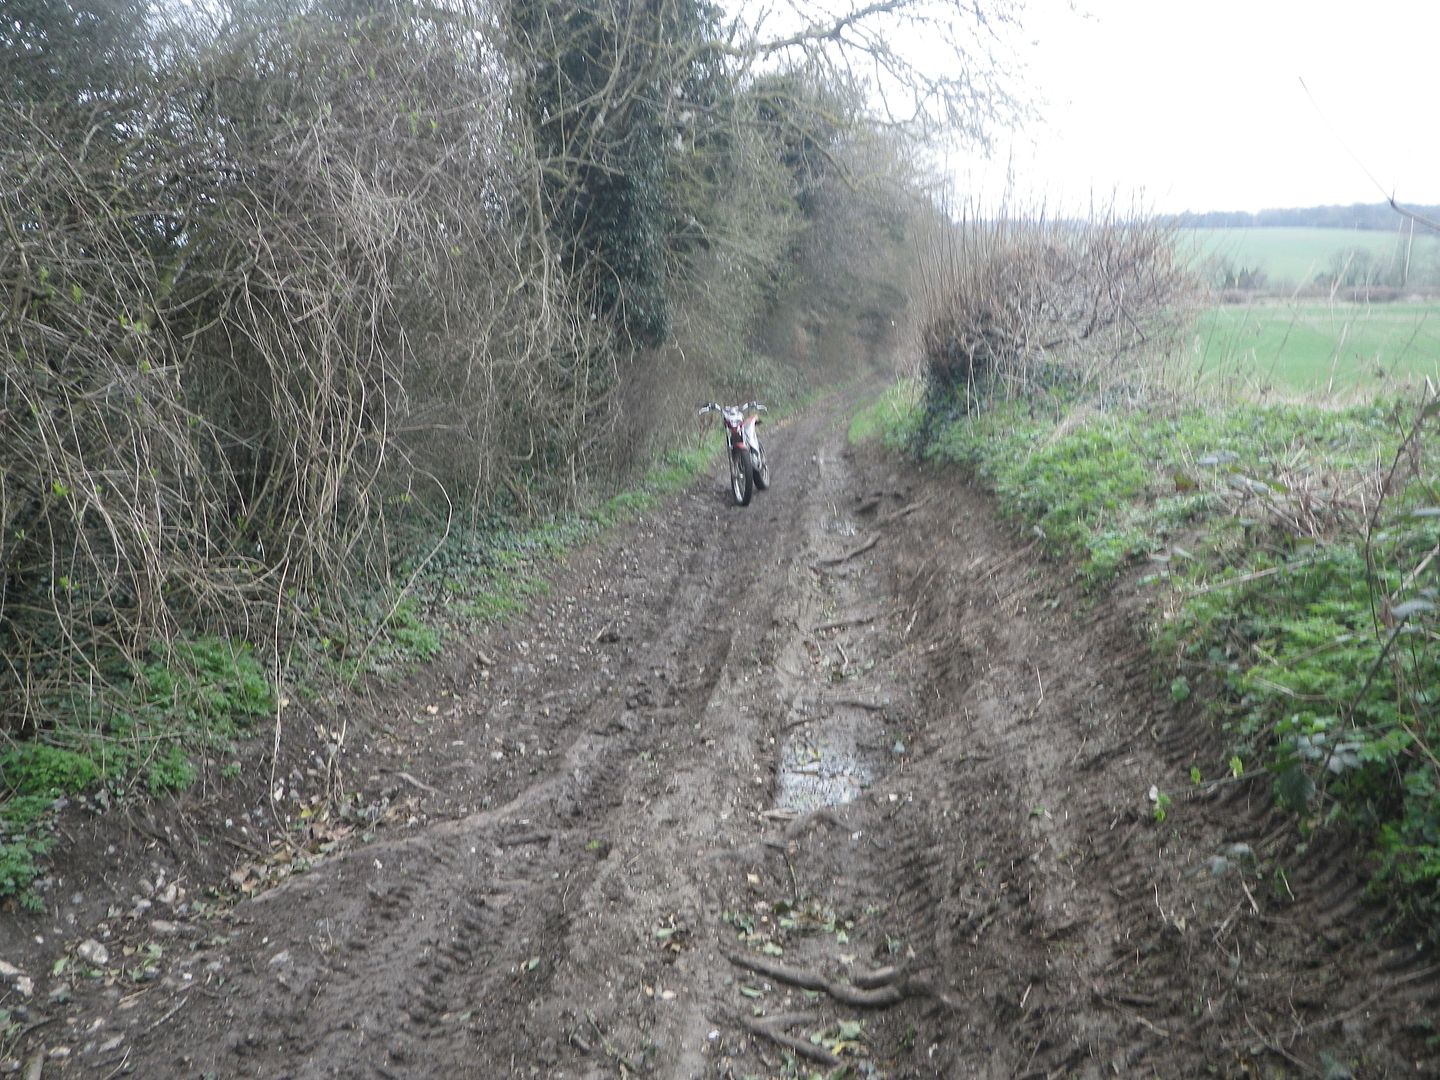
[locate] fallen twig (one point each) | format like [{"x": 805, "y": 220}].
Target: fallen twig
[
  {"x": 1106, "y": 999},
  {"x": 888, "y": 994},
  {"x": 1250, "y": 896},
  {"x": 248, "y": 849},
  {"x": 118, "y": 1069},
  {"x": 1274, "y": 1047},
  {"x": 1245, "y": 579},
  {"x": 801, "y": 1047},
  {"x": 859, "y": 703},
  {"x": 838, "y": 624},
  {"x": 615, "y": 1055},
  {"x": 857, "y": 550},
  {"x": 417, "y": 783},
  {"x": 905, "y": 511},
  {"x": 535, "y": 836},
  {"x": 170, "y": 1015}
]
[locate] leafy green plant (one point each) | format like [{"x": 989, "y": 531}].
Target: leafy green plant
[
  {"x": 413, "y": 638},
  {"x": 208, "y": 683},
  {"x": 1160, "y": 808},
  {"x": 20, "y": 858},
  {"x": 892, "y": 418},
  {"x": 37, "y": 769},
  {"x": 25, "y": 839},
  {"x": 170, "y": 771}
]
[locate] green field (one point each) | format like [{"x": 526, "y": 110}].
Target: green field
[
  {"x": 1295, "y": 256},
  {"x": 1353, "y": 350}
]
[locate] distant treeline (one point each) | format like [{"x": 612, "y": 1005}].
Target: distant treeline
[{"x": 1378, "y": 216}]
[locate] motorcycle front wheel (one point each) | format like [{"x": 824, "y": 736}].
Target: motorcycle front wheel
[
  {"x": 759, "y": 467},
  {"x": 741, "y": 477}
]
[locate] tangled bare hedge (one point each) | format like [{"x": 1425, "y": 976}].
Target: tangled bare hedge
[
  {"x": 283, "y": 279},
  {"x": 1012, "y": 303}
]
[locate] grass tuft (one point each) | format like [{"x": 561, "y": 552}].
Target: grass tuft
[{"x": 891, "y": 417}]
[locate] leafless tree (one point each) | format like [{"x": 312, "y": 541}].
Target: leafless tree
[{"x": 935, "y": 68}]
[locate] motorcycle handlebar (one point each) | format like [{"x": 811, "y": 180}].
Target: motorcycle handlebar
[{"x": 711, "y": 406}]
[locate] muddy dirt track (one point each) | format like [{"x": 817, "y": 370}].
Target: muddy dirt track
[{"x": 851, "y": 777}]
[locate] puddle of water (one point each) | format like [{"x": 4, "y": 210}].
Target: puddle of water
[{"x": 830, "y": 761}]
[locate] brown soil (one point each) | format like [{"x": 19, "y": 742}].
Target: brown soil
[{"x": 850, "y": 776}]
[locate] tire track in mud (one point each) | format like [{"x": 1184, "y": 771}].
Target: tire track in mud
[
  {"x": 456, "y": 917},
  {"x": 1047, "y": 915}
]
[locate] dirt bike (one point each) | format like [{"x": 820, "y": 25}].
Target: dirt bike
[{"x": 748, "y": 468}]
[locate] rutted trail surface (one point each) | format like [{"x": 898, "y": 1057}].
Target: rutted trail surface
[{"x": 849, "y": 776}]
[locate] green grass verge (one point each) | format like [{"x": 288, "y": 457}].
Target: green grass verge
[
  {"x": 1313, "y": 637},
  {"x": 493, "y": 571},
  {"x": 889, "y": 416}
]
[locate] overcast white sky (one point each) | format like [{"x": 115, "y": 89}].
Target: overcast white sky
[{"x": 1198, "y": 104}]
